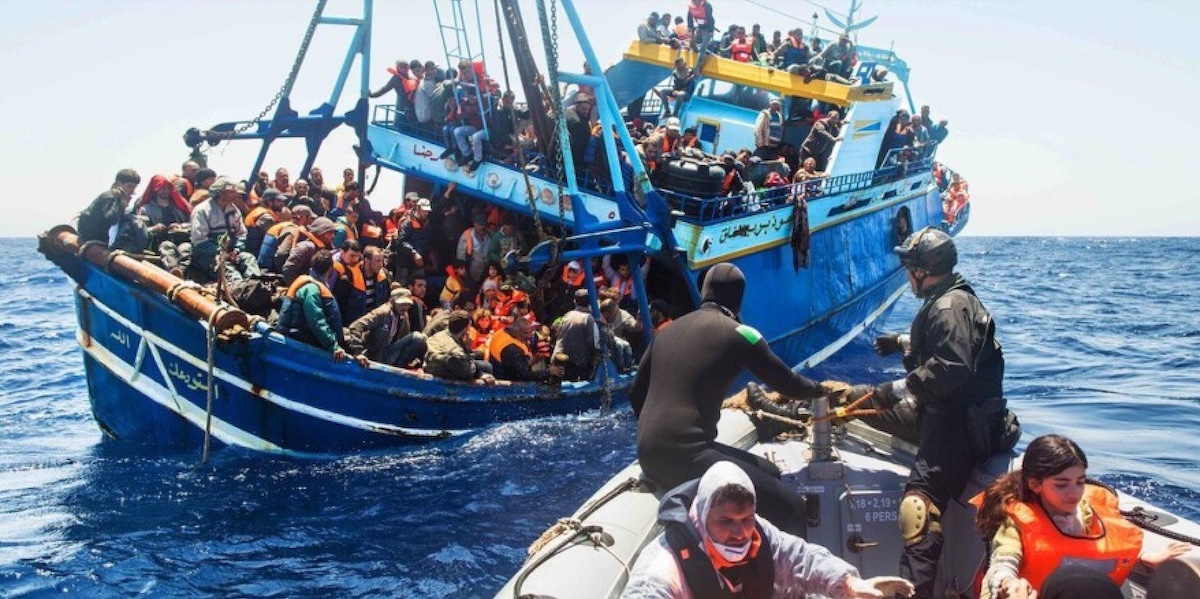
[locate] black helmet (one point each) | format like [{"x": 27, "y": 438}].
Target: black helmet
[{"x": 929, "y": 249}]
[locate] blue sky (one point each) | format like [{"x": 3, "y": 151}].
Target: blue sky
[{"x": 1068, "y": 117}]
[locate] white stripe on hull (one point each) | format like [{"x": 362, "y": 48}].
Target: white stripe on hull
[{"x": 158, "y": 343}]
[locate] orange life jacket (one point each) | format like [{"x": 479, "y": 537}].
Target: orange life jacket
[
  {"x": 357, "y": 279},
  {"x": 278, "y": 230},
  {"x": 501, "y": 340},
  {"x": 741, "y": 51},
  {"x": 303, "y": 280},
  {"x": 1112, "y": 545},
  {"x": 254, "y": 214},
  {"x": 576, "y": 281},
  {"x": 313, "y": 238}
]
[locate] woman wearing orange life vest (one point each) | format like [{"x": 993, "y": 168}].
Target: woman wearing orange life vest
[{"x": 1045, "y": 516}]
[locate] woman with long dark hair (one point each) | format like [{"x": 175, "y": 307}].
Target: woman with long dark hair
[{"x": 1046, "y": 515}]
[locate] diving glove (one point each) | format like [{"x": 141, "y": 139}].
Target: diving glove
[
  {"x": 757, "y": 399},
  {"x": 886, "y": 345}
]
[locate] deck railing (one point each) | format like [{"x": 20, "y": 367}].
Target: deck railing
[{"x": 700, "y": 210}]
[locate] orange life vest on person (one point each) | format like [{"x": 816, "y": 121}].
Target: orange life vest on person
[
  {"x": 278, "y": 230},
  {"x": 576, "y": 281},
  {"x": 188, "y": 187},
  {"x": 501, "y": 340},
  {"x": 699, "y": 15},
  {"x": 741, "y": 51},
  {"x": 357, "y": 279},
  {"x": 254, "y": 214},
  {"x": 1112, "y": 545},
  {"x": 303, "y": 280},
  {"x": 313, "y": 238}
]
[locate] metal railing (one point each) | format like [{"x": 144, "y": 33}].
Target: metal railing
[{"x": 711, "y": 210}]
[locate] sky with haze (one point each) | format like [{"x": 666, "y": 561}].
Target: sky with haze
[{"x": 1068, "y": 117}]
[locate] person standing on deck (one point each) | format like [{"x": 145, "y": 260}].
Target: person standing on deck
[
  {"x": 824, "y": 134},
  {"x": 697, "y": 359}
]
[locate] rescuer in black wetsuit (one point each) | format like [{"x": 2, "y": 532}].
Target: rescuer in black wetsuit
[{"x": 697, "y": 358}]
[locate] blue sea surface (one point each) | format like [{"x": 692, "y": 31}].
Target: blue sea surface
[{"x": 1101, "y": 338}]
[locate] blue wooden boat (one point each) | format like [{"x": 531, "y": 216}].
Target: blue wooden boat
[{"x": 167, "y": 365}]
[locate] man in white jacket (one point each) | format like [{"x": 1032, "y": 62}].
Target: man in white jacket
[{"x": 715, "y": 546}]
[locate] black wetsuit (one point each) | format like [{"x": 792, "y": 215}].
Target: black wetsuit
[
  {"x": 955, "y": 364},
  {"x": 697, "y": 359}
]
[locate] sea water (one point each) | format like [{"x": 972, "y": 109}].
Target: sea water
[{"x": 1101, "y": 338}]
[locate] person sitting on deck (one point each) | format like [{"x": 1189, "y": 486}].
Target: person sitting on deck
[
  {"x": 346, "y": 228},
  {"x": 510, "y": 355},
  {"x": 361, "y": 289},
  {"x": 620, "y": 278},
  {"x": 166, "y": 214},
  {"x": 714, "y": 545},
  {"x": 612, "y": 333},
  {"x": 317, "y": 236},
  {"x": 280, "y": 238},
  {"x": 212, "y": 220},
  {"x": 740, "y": 48},
  {"x": 102, "y": 219},
  {"x": 841, "y": 57},
  {"x": 447, "y": 355},
  {"x": 683, "y": 81},
  {"x": 184, "y": 182},
  {"x": 648, "y": 32},
  {"x": 205, "y": 177},
  {"x": 385, "y": 333},
  {"x": 1047, "y": 519},
  {"x": 310, "y": 314},
  {"x": 578, "y": 345},
  {"x": 954, "y": 198},
  {"x": 660, "y": 314},
  {"x": 262, "y": 217}
]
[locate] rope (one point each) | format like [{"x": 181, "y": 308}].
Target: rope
[
  {"x": 1143, "y": 519},
  {"x": 211, "y": 338},
  {"x": 529, "y": 195},
  {"x": 173, "y": 292},
  {"x": 87, "y": 245},
  {"x": 113, "y": 255},
  {"x": 593, "y": 533}
]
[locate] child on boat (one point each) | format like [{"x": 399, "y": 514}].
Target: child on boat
[{"x": 1048, "y": 515}]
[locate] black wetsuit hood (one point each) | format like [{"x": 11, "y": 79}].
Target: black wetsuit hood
[{"x": 724, "y": 285}]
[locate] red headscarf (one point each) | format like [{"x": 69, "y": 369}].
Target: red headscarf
[{"x": 157, "y": 182}]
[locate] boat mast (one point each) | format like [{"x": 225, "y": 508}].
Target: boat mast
[{"x": 315, "y": 126}]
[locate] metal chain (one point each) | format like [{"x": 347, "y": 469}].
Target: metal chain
[
  {"x": 529, "y": 192},
  {"x": 291, "y": 79},
  {"x": 558, "y": 123}
]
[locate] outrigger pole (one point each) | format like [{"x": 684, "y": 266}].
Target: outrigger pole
[
  {"x": 641, "y": 231},
  {"x": 315, "y": 126}
]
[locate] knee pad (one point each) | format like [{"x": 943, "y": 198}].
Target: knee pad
[{"x": 918, "y": 518}]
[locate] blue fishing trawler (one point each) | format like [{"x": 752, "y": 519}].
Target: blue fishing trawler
[{"x": 168, "y": 363}]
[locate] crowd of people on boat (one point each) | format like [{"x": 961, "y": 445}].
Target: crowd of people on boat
[
  {"x": 811, "y": 59},
  {"x": 421, "y": 287}
]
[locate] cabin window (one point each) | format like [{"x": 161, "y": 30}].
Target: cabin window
[{"x": 708, "y": 132}]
